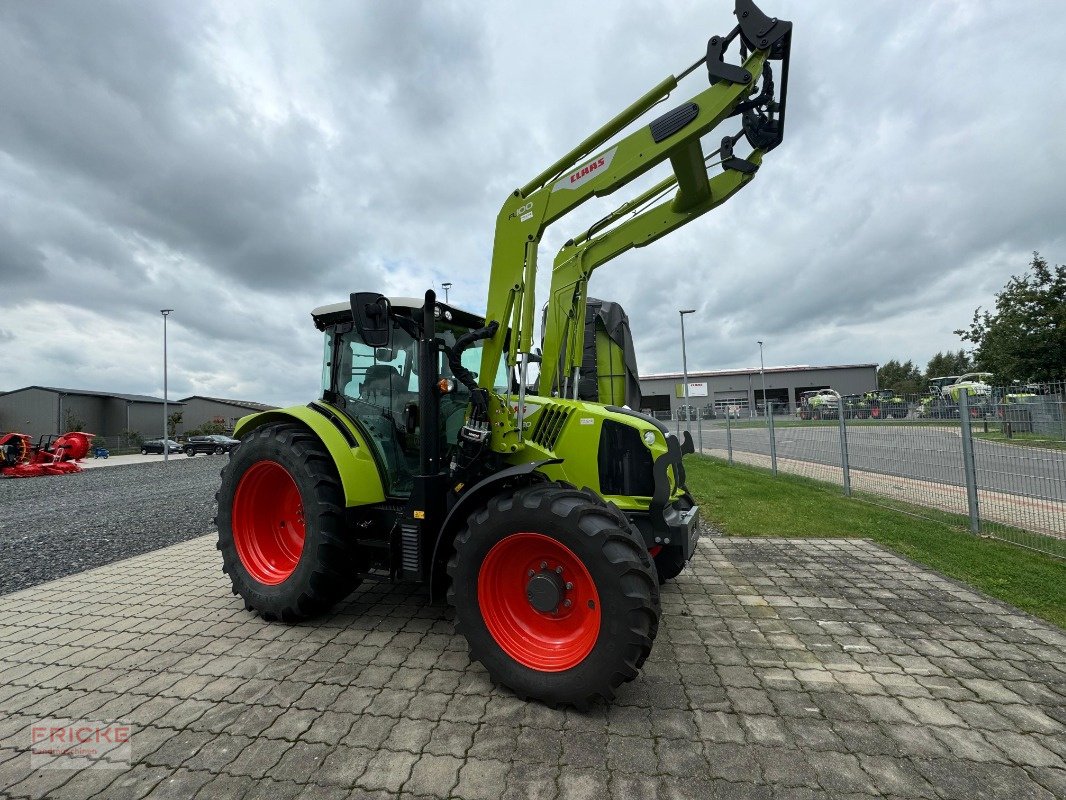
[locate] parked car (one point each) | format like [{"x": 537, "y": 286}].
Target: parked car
[
  {"x": 156, "y": 446},
  {"x": 215, "y": 443}
]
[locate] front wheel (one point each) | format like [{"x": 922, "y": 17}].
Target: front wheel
[
  {"x": 190, "y": 452},
  {"x": 144, "y": 451},
  {"x": 555, "y": 594},
  {"x": 281, "y": 525}
]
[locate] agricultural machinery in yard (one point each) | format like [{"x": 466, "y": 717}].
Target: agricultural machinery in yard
[
  {"x": 548, "y": 522},
  {"x": 818, "y": 404},
  {"x": 856, "y": 406},
  {"x": 52, "y": 455},
  {"x": 886, "y": 404},
  {"x": 944, "y": 395}
]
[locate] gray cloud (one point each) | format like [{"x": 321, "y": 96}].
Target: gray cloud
[{"x": 245, "y": 164}]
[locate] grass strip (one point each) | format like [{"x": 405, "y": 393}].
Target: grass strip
[
  {"x": 748, "y": 501},
  {"x": 1022, "y": 440}
]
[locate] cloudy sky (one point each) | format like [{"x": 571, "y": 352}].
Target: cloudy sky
[{"x": 243, "y": 163}]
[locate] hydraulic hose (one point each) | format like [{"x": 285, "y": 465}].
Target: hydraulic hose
[{"x": 462, "y": 344}]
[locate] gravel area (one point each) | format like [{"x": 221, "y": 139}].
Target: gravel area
[{"x": 59, "y": 525}]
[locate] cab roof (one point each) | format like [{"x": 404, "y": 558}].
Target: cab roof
[{"x": 331, "y": 314}]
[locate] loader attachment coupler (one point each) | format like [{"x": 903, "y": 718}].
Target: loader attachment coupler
[{"x": 763, "y": 116}]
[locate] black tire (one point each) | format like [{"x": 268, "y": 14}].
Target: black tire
[
  {"x": 326, "y": 571},
  {"x": 617, "y": 563},
  {"x": 144, "y": 451},
  {"x": 190, "y": 452},
  {"x": 218, "y": 450}
]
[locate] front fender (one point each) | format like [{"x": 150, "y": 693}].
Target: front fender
[
  {"x": 347, "y": 447},
  {"x": 465, "y": 505}
]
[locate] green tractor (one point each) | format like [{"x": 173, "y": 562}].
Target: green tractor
[
  {"x": 548, "y": 522},
  {"x": 886, "y": 404},
  {"x": 818, "y": 404},
  {"x": 856, "y": 406}
]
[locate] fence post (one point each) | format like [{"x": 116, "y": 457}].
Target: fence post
[
  {"x": 844, "y": 467},
  {"x": 773, "y": 438},
  {"x": 969, "y": 467},
  {"x": 729, "y": 434},
  {"x": 699, "y": 429}
]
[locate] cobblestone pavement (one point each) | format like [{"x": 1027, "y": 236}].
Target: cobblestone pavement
[{"x": 783, "y": 668}]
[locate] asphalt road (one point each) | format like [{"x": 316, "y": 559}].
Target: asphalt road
[
  {"x": 58, "y": 525},
  {"x": 920, "y": 452}
]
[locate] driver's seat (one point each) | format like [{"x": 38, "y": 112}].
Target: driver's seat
[{"x": 377, "y": 383}]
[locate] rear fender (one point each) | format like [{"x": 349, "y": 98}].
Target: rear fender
[
  {"x": 346, "y": 445},
  {"x": 470, "y": 500}
]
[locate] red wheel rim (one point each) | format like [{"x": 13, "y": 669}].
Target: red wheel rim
[
  {"x": 268, "y": 522},
  {"x": 547, "y": 641}
]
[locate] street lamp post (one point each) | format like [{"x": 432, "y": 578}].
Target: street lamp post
[
  {"x": 684, "y": 369},
  {"x": 762, "y": 372},
  {"x": 166, "y": 443},
  {"x": 446, "y": 286}
]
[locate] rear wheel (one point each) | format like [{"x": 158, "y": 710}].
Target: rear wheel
[
  {"x": 555, "y": 594},
  {"x": 144, "y": 451},
  {"x": 280, "y": 525}
]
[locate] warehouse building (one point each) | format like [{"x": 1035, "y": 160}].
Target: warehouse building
[
  {"x": 43, "y": 410},
  {"x": 742, "y": 389},
  {"x": 198, "y": 410}
]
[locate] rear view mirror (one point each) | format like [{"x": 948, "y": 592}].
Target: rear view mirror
[{"x": 370, "y": 313}]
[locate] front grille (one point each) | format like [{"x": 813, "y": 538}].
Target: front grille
[{"x": 549, "y": 425}]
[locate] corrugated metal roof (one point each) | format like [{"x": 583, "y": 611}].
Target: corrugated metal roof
[
  {"x": 752, "y": 371},
  {"x": 133, "y": 398},
  {"x": 238, "y": 403}
]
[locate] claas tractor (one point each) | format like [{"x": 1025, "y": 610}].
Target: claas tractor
[
  {"x": 856, "y": 406},
  {"x": 548, "y": 522},
  {"x": 818, "y": 404},
  {"x": 886, "y": 404}
]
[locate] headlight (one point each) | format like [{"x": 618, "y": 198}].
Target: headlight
[{"x": 649, "y": 438}]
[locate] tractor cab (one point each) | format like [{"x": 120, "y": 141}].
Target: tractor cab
[{"x": 379, "y": 386}]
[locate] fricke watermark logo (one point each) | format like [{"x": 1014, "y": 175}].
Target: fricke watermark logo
[{"x": 80, "y": 744}]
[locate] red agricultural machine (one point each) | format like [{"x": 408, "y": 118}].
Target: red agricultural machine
[{"x": 52, "y": 455}]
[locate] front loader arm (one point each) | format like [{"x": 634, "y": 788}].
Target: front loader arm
[
  {"x": 578, "y": 176},
  {"x": 576, "y": 261}
]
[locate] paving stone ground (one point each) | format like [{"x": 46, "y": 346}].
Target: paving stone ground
[{"x": 783, "y": 668}]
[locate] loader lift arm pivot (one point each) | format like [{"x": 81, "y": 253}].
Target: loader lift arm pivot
[{"x": 595, "y": 169}]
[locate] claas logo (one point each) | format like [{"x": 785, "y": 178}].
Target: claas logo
[{"x": 585, "y": 170}]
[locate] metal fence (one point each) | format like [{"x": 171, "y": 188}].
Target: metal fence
[{"x": 1000, "y": 464}]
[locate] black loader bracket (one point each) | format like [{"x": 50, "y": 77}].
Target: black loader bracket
[{"x": 763, "y": 116}]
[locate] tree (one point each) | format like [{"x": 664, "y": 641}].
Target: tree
[
  {"x": 73, "y": 422},
  {"x": 1025, "y": 339},
  {"x": 215, "y": 426},
  {"x": 900, "y": 378},
  {"x": 949, "y": 363},
  {"x": 174, "y": 420}
]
